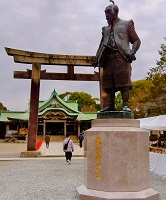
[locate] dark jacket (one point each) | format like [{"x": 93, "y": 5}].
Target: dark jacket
[{"x": 81, "y": 137}]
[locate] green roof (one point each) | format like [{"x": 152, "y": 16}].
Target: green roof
[
  {"x": 4, "y": 115},
  {"x": 57, "y": 109},
  {"x": 22, "y": 117},
  {"x": 86, "y": 116},
  {"x": 56, "y": 101},
  {"x": 53, "y": 103},
  {"x": 73, "y": 103}
]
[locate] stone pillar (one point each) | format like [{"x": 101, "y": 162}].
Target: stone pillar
[
  {"x": 79, "y": 129},
  {"x": 44, "y": 129},
  {"x": 7, "y": 128},
  {"x": 116, "y": 162},
  {"x": 65, "y": 128}
]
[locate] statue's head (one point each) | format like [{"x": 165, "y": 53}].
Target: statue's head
[
  {"x": 111, "y": 12},
  {"x": 113, "y": 7}
]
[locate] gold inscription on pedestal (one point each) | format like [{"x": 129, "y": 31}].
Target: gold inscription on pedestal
[{"x": 98, "y": 157}]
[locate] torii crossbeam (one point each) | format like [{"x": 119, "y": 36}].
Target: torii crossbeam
[{"x": 38, "y": 59}]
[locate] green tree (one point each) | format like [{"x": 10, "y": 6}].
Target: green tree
[
  {"x": 85, "y": 100},
  {"x": 139, "y": 96},
  {"x": 118, "y": 102},
  {"x": 157, "y": 75},
  {"x": 148, "y": 97}
]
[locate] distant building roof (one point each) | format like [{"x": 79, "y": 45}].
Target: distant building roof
[
  {"x": 55, "y": 101},
  {"x": 53, "y": 106},
  {"x": 4, "y": 114}
]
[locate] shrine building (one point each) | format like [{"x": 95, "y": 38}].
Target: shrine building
[{"x": 56, "y": 117}]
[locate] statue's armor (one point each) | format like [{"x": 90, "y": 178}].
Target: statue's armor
[{"x": 113, "y": 53}]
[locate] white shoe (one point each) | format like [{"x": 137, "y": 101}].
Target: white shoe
[
  {"x": 67, "y": 162},
  {"x": 126, "y": 108}
]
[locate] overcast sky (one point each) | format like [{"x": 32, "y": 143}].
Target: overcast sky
[{"x": 70, "y": 27}]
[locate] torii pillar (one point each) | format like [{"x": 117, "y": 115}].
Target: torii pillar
[{"x": 34, "y": 103}]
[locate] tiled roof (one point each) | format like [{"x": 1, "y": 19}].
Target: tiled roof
[
  {"x": 5, "y": 114},
  {"x": 56, "y": 101},
  {"x": 53, "y": 104},
  {"x": 57, "y": 109}
]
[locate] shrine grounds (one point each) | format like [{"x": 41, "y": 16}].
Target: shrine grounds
[{"x": 47, "y": 177}]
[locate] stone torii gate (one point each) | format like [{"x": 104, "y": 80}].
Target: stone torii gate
[{"x": 38, "y": 59}]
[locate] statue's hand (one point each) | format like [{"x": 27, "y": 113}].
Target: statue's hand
[{"x": 131, "y": 56}]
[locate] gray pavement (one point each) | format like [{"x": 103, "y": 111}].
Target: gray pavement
[
  {"x": 47, "y": 177},
  {"x": 13, "y": 150},
  {"x": 56, "y": 149}
]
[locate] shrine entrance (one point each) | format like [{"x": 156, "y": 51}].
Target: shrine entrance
[{"x": 36, "y": 74}]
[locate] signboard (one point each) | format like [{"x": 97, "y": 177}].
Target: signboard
[{"x": 23, "y": 131}]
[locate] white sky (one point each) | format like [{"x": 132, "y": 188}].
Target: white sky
[{"x": 70, "y": 27}]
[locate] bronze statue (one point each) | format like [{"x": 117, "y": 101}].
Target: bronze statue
[{"x": 115, "y": 56}]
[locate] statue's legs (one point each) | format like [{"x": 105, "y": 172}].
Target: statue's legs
[
  {"x": 125, "y": 98},
  {"x": 111, "y": 100}
]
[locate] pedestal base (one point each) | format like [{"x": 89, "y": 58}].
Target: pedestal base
[
  {"x": 83, "y": 194},
  {"x": 31, "y": 154},
  {"x": 116, "y": 162},
  {"x": 115, "y": 114}
]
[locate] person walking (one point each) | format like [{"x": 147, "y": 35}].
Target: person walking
[
  {"x": 68, "y": 148},
  {"x": 81, "y": 138},
  {"x": 47, "y": 140}
]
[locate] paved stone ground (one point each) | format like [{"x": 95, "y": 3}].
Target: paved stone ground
[
  {"x": 47, "y": 178},
  {"x": 56, "y": 149},
  {"x": 40, "y": 179},
  {"x": 13, "y": 150}
]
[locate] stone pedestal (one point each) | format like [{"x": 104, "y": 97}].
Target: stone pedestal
[
  {"x": 116, "y": 162},
  {"x": 30, "y": 154}
]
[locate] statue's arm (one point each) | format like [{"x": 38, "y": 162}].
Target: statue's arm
[
  {"x": 134, "y": 40},
  {"x": 99, "y": 50}
]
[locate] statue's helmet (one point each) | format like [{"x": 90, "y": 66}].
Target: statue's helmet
[{"x": 113, "y": 7}]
